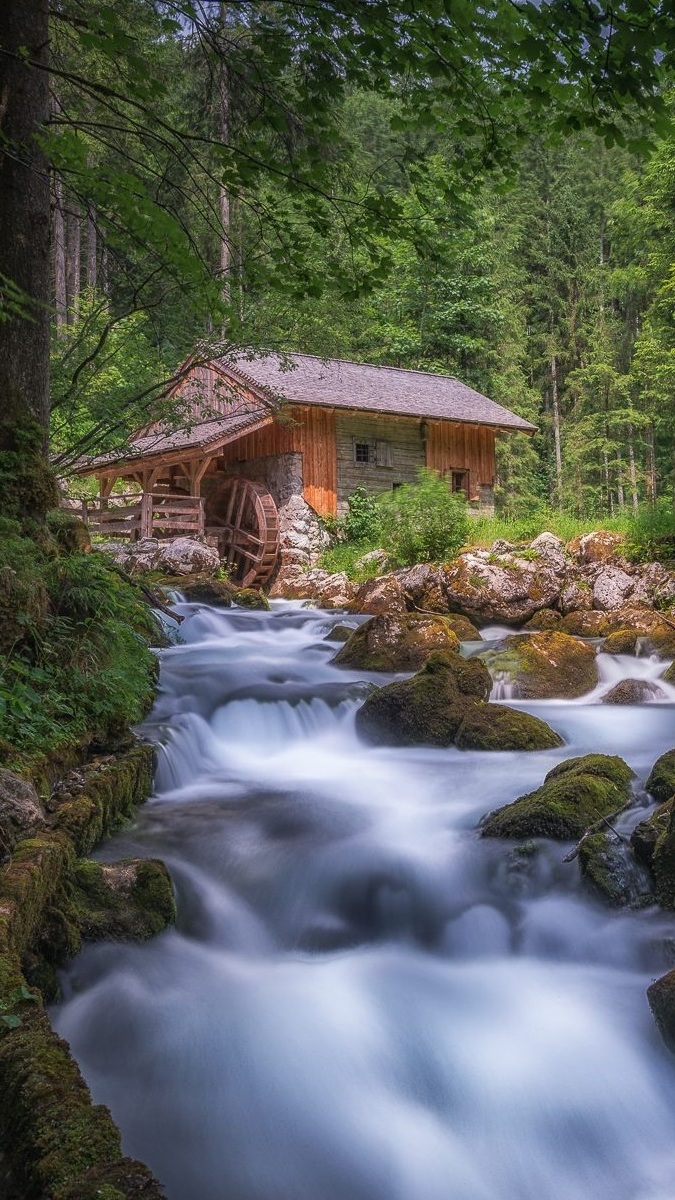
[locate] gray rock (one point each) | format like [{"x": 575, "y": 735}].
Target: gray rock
[
  {"x": 21, "y": 813},
  {"x": 633, "y": 691},
  {"x": 611, "y": 588}
]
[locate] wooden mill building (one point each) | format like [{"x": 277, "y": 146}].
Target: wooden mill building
[{"x": 268, "y": 445}]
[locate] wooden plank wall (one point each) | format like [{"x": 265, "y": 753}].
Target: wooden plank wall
[
  {"x": 309, "y": 432},
  {"x": 455, "y": 447},
  {"x": 407, "y": 453}
]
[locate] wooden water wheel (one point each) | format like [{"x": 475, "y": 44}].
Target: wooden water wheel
[{"x": 248, "y": 529}]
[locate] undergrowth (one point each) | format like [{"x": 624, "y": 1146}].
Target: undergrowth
[
  {"x": 75, "y": 665},
  {"x": 649, "y": 535}
]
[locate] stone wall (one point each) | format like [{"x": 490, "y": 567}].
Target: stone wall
[{"x": 302, "y": 538}]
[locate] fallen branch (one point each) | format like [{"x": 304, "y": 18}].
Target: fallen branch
[
  {"x": 604, "y": 821},
  {"x": 150, "y": 596}
]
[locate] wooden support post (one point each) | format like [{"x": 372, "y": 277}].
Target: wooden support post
[{"x": 146, "y": 515}]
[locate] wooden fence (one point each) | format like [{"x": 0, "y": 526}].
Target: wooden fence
[{"x": 143, "y": 515}]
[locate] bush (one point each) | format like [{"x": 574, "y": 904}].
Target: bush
[
  {"x": 362, "y": 519},
  {"x": 423, "y": 521},
  {"x": 651, "y": 534}
]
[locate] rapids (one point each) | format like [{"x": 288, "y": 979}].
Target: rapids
[{"x": 362, "y": 999}]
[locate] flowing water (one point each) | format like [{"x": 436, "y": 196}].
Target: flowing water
[{"x": 362, "y": 999}]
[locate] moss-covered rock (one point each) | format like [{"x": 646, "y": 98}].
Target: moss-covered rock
[
  {"x": 445, "y": 704},
  {"x": 61, "y": 1145},
  {"x": 396, "y": 642},
  {"x": 661, "y": 997},
  {"x": 463, "y": 628},
  {"x": 669, "y": 675},
  {"x": 21, "y": 812},
  {"x": 622, "y": 641},
  {"x": 573, "y": 796},
  {"x": 202, "y": 589},
  {"x": 109, "y": 793},
  {"x": 610, "y": 869},
  {"x": 586, "y": 624},
  {"x": 548, "y": 618},
  {"x": 497, "y": 727},
  {"x": 647, "y": 834},
  {"x": 661, "y": 779},
  {"x": 339, "y": 633},
  {"x": 251, "y": 598},
  {"x": 546, "y": 665},
  {"x": 130, "y": 900},
  {"x": 634, "y": 691}
]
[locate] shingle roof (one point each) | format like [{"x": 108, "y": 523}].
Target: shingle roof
[
  {"x": 339, "y": 383},
  {"x": 203, "y": 434}
]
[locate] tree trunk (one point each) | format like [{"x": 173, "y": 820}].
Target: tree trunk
[
  {"x": 26, "y": 485},
  {"x": 651, "y": 465},
  {"x": 608, "y": 489},
  {"x": 225, "y": 264},
  {"x": 556, "y": 431},
  {"x": 59, "y": 235},
  {"x": 73, "y": 255},
  {"x": 619, "y": 482},
  {"x": 92, "y": 249},
  {"x": 631, "y": 470}
]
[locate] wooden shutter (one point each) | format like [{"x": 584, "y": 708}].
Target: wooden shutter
[{"x": 383, "y": 454}]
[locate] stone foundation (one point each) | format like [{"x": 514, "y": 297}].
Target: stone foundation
[{"x": 302, "y": 538}]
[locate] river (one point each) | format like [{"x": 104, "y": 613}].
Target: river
[{"x": 363, "y": 999}]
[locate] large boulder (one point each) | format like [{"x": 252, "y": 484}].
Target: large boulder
[
  {"x": 21, "y": 813},
  {"x": 510, "y": 588},
  {"x": 610, "y": 869},
  {"x": 600, "y": 546},
  {"x": 546, "y": 665},
  {"x": 321, "y": 587},
  {"x": 551, "y": 549},
  {"x": 612, "y": 587},
  {"x": 634, "y": 691},
  {"x": 131, "y": 899},
  {"x": 383, "y": 595},
  {"x": 423, "y": 587},
  {"x": 574, "y": 795},
  {"x": 431, "y": 708},
  {"x": 661, "y": 997},
  {"x": 576, "y": 595},
  {"x": 187, "y": 556},
  {"x": 586, "y": 624},
  {"x": 661, "y": 779},
  {"x": 396, "y": 642}
]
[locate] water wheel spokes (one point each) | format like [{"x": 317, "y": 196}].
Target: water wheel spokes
[{"x": 250, "y": 531}]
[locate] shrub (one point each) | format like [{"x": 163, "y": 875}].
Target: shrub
[
  {"x": 362, "y": 519},
  {"x": 651, "y": 534},
  {"x": 423, "y": 521}
]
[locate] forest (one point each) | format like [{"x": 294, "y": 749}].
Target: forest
[
  {"x": 337, "y": 822},
  {"x": 210, "y": 184}
]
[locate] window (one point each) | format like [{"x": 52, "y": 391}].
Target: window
[
  {"x": 362, "y": 452},
  {"x": 460, "y": 482}
]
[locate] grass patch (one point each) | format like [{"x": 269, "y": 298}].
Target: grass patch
[{"x": 343, "y": 558}]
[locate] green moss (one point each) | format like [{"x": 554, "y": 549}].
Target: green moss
[
  {"x": 546, "y": 618},
  {"x": 586, "y": 624},
  {"x": 69, "y": 530},
  {"x": 669, "y": 675},
  {"x": 396, "y": 642},
  {"x": 496, "y": 727},
  {"x": 128, "y": 900},
  {"x": 251, "y": 598},
  {"x": 110, "y": 794},
  {"x": 546, "y": 665},
  {"x": 661, "y": 780},
  {"x": 613, "y": 874},
  {"x": 573, "y": 796},
  {"x": 661, "y": 997},
  {"x": 622, "y": 641}
]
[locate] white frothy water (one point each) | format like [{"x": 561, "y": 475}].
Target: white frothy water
[{"x": 363, "y": 1000}]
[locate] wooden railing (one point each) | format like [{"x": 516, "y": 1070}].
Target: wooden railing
[{"x": 133, "y": 515}]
